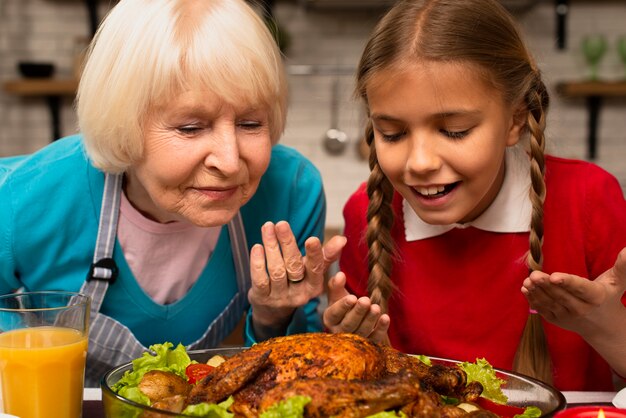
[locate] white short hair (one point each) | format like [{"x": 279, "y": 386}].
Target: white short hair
[{"x": 148, "y": 51}]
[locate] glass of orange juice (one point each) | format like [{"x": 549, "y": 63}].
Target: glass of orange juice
[{"x": 43, "y": 348}]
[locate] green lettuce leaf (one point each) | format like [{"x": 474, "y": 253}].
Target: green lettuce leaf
[
  {"x": 424, "y": 359},
  {"x": 530, "y": 412},
  {"x": 165, "y": 358},
  {"x": 208, "y": 410},
  {"x": 290, "y": 408},
  {"x": 484, "y": 373}
]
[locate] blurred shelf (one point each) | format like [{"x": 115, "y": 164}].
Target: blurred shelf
[
  {"x": 593, "y": 92},
  {"x": 42, "y": 87},
  {"x": 52, "y": 89},
  {"x": 592, "y": 88}
]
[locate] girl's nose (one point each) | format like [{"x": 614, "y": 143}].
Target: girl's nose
[
  {"x": 223, "y": 154},
  {"x": 423, "y": 156}
]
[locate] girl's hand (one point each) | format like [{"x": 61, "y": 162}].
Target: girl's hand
[
  {"x": 347, "y": 313},
  {"x": 591, "y": 308},
  {"x": 572, "y": 302},
  {"x": 282, "y": 279}
]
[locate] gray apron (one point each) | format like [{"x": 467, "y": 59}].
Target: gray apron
[{"x": 110, "y": 342}]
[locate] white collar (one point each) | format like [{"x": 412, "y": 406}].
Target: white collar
[{"x": 510, "y": 211}]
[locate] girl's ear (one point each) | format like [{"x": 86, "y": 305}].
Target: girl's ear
[{"x": 518, "y": 126}]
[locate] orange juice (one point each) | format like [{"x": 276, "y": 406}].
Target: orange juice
[{"x": 42, "y": 371}]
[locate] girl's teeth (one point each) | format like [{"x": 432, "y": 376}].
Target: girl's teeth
[{"x": 429, "y": 191}]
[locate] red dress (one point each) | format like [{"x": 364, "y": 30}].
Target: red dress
[{"x": 458, "y": 294}]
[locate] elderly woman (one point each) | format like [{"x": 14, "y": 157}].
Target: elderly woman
[{"x": 154, "y": 208}]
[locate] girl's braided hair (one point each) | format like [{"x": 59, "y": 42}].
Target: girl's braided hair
[{"x": 483, "y": 34}]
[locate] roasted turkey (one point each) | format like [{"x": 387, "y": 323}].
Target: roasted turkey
[{"x": 344, "y": 375}]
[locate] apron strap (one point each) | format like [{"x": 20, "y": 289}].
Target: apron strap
[{"x": 103, "y": 270}]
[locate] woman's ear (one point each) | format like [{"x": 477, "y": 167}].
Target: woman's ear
[{"x": 518, "y": 125}]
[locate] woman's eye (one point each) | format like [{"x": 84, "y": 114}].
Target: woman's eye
[
  {"x": 455, "y": 134},
  {"x": 250, "y": 125},
  {"x": 188, "y": 129}
]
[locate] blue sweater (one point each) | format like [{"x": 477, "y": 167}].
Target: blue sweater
[{"x": 49, "y": 211}]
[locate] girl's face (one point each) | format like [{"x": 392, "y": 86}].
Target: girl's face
[
  {"x": 203, "y": 159},
  {"x": 440, "y": 134}
]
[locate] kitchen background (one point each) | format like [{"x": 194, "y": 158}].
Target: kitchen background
[{"x": 326, "y": 38}]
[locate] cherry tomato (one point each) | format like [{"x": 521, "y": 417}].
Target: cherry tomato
[
  {"x": 504, "y": 411},
  {"x": 197, "y": 371}
]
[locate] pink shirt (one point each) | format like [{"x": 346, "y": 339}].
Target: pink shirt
[{"x": 166, "y": 259}]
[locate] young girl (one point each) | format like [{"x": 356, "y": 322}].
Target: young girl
[{"x": 461, "y": 204}]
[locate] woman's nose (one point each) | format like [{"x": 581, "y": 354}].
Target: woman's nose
[
  {"x": 223, "y": 154},
  {"x": 423, "y": 155}
]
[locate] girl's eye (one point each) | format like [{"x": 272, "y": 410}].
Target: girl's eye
[
  {"x": 392, "y": 137},
  {"x": 389, "y": 132},
  {"x": 455, "y": 134}
]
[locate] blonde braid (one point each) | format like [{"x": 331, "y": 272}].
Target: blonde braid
[
  {"x": 532, "y": 357},
  {"x": 536, "y": 125},
  {"x": 379, "y": 222}
]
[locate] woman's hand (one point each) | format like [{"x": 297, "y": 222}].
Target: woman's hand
[
  {"x": 591, "y": 308},
  {"x": 282, "y": 279},
  {"x": 347, "y": 313}
]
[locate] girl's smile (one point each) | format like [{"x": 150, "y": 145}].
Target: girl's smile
[
  {"x": 434, "y": 196},
  {"x": 434, "y": 192}
]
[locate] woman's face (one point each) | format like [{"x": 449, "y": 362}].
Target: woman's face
[
  {"x": 203, "y": 159},
  {"x": 440, "y": 134}
]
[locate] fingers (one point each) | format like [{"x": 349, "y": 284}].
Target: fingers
[
  {"x": 358, "y": 316},
  {"x": 619, "y": 271},
  {"x": 284, "y": 260},
  {"x": 355, "y": 313},
  {"x": 369, "y": 319},
  {"x": 569, "y": 286},
  {"x": 319, "y": 258},
  {"x": 576, "y": 303},
  {"x": 285, "y": 264},
  {"x": 258, "y": 271},
  {"x": 332, "y": 249},
  {"x": 559, "y": 286},
  {"x": 334, "y": 314},
  {"x": 379, "y": 335},
  {"x": 314, "y": 263},
  {"x": 560, "y": 295},
  {"x": 337, "y": 288},
  {"x": 291, "y": 256}
]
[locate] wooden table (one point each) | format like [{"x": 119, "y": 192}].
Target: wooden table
[
  {"x": 52, "y": 89},
  {"x": 593, "y": 92}
]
